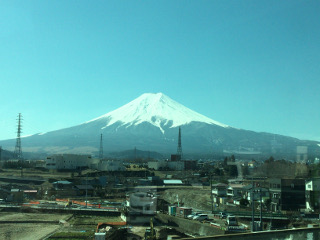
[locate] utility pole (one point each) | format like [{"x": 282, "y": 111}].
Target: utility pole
[
  {"x": 252, "y": 203},
  {"x": 261, "y": 228},
  {"x": 211, "y": 193},
  {"x": 179, "y": 148},
  {"x": 87, "y": 190}
]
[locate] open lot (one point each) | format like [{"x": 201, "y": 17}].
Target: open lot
[
  {"x": 28, "y": 226},
  {"x": 33, "y": 226}
]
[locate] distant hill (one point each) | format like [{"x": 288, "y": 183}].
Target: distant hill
[{"x": 5, "y": 154}]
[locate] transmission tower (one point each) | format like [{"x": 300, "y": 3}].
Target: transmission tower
[
  {"x": 18, "y": 150},
  {"x": 101, "y": 148},
  {"x": 179, "y": 148}
]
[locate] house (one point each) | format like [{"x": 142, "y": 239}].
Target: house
[
  {"x": 313, "y": 195},
  {"x": 30, "y": 194},
  {"x": 62, "y": 185},
  {"x": 287, "y": 194},
  {"x": 63, "y": 189},
  {"x": 141, "y": 207},
  {"x": 16, "y": 195},
  {"x": 219, "y": 193},
  {"x": 255, "y": 193},
  {"x": 234, "y": 190},
  {"x": 219, "y": 190}
]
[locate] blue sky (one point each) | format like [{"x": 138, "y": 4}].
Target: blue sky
[{"x": 250, "y": 64}]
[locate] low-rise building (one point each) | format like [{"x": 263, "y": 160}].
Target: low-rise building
[
  {"x": 219, "y": 190},
  {"x": 313, "y": 195},
  {"x": 68, "y": 161},
  {"x": 157, "y": 165},
  {"x": 173, "y": 182},
  {"x": 234, "y": 190},
  {"x": 255, "y": 193},
  {"x": 287, "y": 194}
]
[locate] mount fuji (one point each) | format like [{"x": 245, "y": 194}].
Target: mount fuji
[{"x": 150, "y": 123}]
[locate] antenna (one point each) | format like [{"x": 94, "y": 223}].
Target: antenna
[
  {"x": 18, "y": 150},
  {"x": 101, "y": 148},
  {"x": 179, "y": 149}
]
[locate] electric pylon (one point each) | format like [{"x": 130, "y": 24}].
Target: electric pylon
[
  {"x": 101, "y": 148},
  {"x": 179, "y": 148},
  {"x": 18, "y": 150}
]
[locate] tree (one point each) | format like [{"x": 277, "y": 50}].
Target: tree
[
  {"x": 233, "y": 171},
  {"x": 244, "y": 202},
  {"x": 245, "y": 170}
]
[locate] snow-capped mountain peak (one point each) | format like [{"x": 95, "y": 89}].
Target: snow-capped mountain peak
[{"x": 157, "y": 109}]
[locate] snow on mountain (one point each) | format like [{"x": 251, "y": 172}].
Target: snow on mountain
[{"x": 157, "y": 109}]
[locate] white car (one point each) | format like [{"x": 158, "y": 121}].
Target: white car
[
  {"x": 191, "y": 216},
  {"x": 201, "y": 217}
]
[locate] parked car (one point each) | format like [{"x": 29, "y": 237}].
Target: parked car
[
  {"x": 231, "y": 220},
  {"x": 201, "y": 217},
  {"x": 191, "y": 216},
  {"x": 222, "y": 215}
]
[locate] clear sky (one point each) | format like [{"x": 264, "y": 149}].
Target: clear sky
[{"x": 250, "y": 64}]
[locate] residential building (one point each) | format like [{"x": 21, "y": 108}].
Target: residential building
[
  {"x": 219, "y": 190},
  {"x": 287, "y": 194},
  {"x": 255, "y": 193},
  {"x": 313, "y": 195},
  {"x": 141, "y": 206},
  {"x": 235, "y": 190}
]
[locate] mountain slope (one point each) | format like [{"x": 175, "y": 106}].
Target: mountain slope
[
  {"x": 151, "y": 123},
  {"x": 157, "y": 109}
]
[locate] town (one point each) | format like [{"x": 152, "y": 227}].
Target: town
[{"x": 86, "y": 197}]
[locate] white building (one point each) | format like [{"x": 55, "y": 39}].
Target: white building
[
  {"x": 172, "y": 165},
  {"x": 156, "y": 165},
  {"x": 68, "y": 161},
  {"x": 313, "y": 194},
  {"x": 176, "y": 165}
]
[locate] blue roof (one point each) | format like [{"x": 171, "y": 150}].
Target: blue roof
[
  {"x": 172, "y": 181},
  {"x": 62, "y": 182}
]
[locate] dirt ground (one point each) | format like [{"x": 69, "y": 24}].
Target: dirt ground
[
  {"x": 197, "y": 198},
  {"x": 26, "y": 231}
]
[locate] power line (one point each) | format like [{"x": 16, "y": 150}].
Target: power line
[
  {"x": 179, "y": 148},
  {"x": 101, "y": 148},
  {"x": 18, "y": 149}
]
